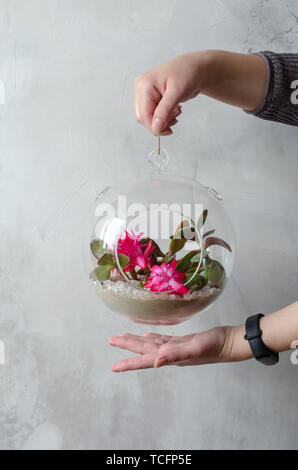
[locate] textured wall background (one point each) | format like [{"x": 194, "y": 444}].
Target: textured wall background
[{"x": 66, "y": 131}]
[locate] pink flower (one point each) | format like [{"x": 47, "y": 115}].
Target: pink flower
[
  {"x": 131, "y": 246},
  {"x": 166, "y": 277}
]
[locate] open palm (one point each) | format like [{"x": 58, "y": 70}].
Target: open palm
[{"x": 155, "y": 350}]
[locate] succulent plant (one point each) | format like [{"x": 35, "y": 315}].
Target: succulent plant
[{"x": 193, "y": 274}]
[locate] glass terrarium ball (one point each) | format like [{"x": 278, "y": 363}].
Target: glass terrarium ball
[{"x": 162, "y": 248}]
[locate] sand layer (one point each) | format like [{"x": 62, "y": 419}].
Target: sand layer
[{"x": 147, "y": 307}]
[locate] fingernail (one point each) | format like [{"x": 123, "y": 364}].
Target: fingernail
[
  {"x": 162, "y": 361},
  {"x": 157, "y": 125}
]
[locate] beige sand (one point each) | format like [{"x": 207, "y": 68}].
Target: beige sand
[{"x": 154, "y": 310}]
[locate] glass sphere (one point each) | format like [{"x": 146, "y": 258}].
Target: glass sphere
[{"x": 162, "y": 248}]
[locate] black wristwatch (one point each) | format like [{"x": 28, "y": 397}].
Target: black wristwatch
[{"x": 259, "y": 349}]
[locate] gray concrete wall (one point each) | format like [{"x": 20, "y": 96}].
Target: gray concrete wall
[{"x": 68, "y": 129}]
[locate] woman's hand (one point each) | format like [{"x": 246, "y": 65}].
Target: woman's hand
[
  {"x": 155, "y": 350},
  {"x": 221, "y": 344},
  {"x": 159, "y": 91},
  {"x": 236, "y": 79}
]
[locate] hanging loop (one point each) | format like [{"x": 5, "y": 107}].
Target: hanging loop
[{"x": 159, "y": 161}]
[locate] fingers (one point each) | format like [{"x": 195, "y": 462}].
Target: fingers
[
  {"x": 156, "y": 350},
  {"x": 134, "y": 363},
  {"x": 164, "y": 110},
  {"x": 173, "y": 355},
  {"x": 177, "y": 111},
  {"x": 147, "y": 98},
  {"x": 143, "y": 338},
  {"x": 157, "y": 336},
  {"x": 136, "y": 344},
  {"x": 168, "y": 131},
  {"x": 172, "y": 122},
  {"x": 144, "y": 114},
  {"x": 145, "y": 106},
  {"x": 155, "y": 111}
]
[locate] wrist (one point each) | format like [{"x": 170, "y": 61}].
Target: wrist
[
  {"x": 213, "y": 65},
  {"x": 233, "y": 78},
  {"x": 280, "y": 329},
  {"x": 279, "y": 332},
  {"x": 236, "y": 348},
  {"x": 207, "y": 61}
]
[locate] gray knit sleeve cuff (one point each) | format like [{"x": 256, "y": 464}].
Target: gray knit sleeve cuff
[
  {"x": 261, "y": 106},
  {"x": 278, "y": 105}
]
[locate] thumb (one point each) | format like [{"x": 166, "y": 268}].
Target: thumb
[
  {"x": 164, "y": 110},
  {"x": 169, "y": 356}
]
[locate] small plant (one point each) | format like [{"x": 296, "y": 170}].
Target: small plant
[{"x": 142, "y": 260}]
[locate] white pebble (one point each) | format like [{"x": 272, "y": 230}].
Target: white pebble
[{"x": 124, "y": 288}]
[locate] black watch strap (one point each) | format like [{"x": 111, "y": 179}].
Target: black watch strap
[{"x": 259, "y": 349}]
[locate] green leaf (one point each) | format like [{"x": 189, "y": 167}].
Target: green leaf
[
  {"x": 185, "y": 263},
  {"x": 202, "y": 219},
  {"x": 195, "y": 267},
  {"x": 133, "y": 274},
  {"x": 106, "y": 260},
  {"x": 157, "y": 251},
  {"x": 101, "y": 273},
  {"x": 123, "y": 260},
  {"x": 215, "y": 273},
  {"x": 198, "y": 282},
  {"x": 196, "y": 258},
  {"x": 167, "y": 259},
  {"x": 210, "y": 232},
  {"x": 186, "y": 233},
  {"x": 176, "y": 244},
  {"x": 206, "y": 270},
  {"x": 191, "y": 279},
  {"x": 182, "y": 224},
  {"x": 216, "y": 241},
  {"x": 97, "y": 248}
]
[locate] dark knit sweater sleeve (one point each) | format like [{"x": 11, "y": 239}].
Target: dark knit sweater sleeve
[{"x": 281, "y": 100}]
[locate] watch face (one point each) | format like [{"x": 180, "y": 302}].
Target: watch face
[{"x": 269, "y": 360}]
